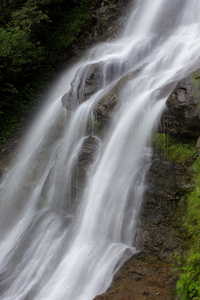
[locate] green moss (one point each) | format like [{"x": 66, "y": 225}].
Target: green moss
[
  {"x": 196, "y": 81},
  {"x": 188, "y": 285},
  {"x": 94, "y": 125},
  {"x": 173, "y": 150},
  {"x": 71, "y": 28},
  {"x": 34, "y": 38},
  {"x": 196, "y": 84}
]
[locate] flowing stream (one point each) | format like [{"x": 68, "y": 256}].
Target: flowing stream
[{"x": 54, "y": 246}]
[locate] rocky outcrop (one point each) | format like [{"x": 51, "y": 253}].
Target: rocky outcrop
[
  {"x": 149, "y": 274},
  {"x": 86, "y": 158},
  {"x": 159, "y": 230},
  {"x": 143, "y": 276},
  {"x": 89, "y": 80},
  {"x": 182, "y": 115},
  {"x": 108, "y": 105}
]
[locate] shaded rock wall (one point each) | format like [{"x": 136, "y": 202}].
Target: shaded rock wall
[
  {"x": 142, "y": 277},
  {"x": 159, "y": 230},
  {"x": 105, "y": 21},
  {"x": 182, "y": 115},
  {"x": 86, "y": 158}
]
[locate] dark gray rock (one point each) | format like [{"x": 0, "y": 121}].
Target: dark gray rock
[
  {"x": 143, "y": 276},
  {"x": 86, "y": 158},
  {"x": 107, "y": 17},
  {"x": 182, "y": 115},
  {"x": 157, "y": 231},
  {"x": 90, "y": 79}
]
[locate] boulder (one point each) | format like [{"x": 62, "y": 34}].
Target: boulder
[{"x": 90, "y": 79}]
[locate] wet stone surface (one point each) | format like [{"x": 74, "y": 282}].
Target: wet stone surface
[{"x": 143, "y": 276}]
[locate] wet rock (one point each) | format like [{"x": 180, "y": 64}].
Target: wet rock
[
  {"x": 86, "y": 157},
  {"x": 157, "y": 230},
  {"x": 157, "y": 281},
  {"x": 88, "y": 80},
  {"x": 103, "y": 17},
  {"x": 182, "y": 115},
  {"x": 108, "y": 105}
]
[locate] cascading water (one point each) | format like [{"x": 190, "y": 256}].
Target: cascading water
[{"x": 53, "y": 246}]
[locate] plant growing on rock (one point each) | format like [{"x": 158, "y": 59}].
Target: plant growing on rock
[
  {"x": 188, "y": 285},
  {"x": 173, "y": 150}
]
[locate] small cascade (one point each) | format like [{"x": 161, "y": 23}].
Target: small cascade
[{"x": 71, "y": 201}]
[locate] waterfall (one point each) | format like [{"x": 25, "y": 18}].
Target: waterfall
[{"x": 57, "y": 247}]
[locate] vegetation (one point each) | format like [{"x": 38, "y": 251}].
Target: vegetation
[
  {"x": 34, "y": 34},
  {"x": 188, "y": 285},
  {"x": 173, "y": 150}
]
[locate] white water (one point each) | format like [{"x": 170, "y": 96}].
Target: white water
[{"x": 52, "y": 247}]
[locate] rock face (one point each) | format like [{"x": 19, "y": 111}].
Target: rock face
[
  {"x": 103, "y": 17},
  {"x": 107, "y": 106},
  {"x": 86, "y": 158},
  {"x": 88, "y": 80},
  {"x": 105, "y": 13},
  {"x": 182, "y": 115},
  {"x": 142, "y": 277},
  {"x": 158, "y": 229},
  {"x": 105, "y": 21}
]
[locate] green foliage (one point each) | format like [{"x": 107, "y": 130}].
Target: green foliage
[
  {"x": 29, "y": 18},
  {"x": 20, "y": 62},
  {"x": 188, "y": 285},
  {"x": 71, "y": 27},
  {"x": 196, "y": 83},
  {"x": 33, "y": 35},
  {"x": 172, "y": 150}
]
